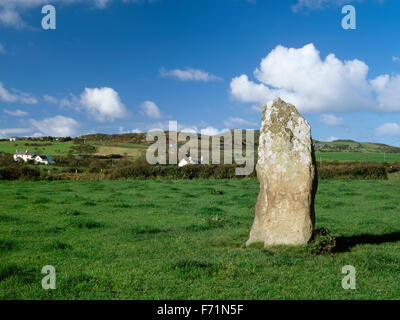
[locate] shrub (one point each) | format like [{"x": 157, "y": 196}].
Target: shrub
[
  {"x": 96, "y": 166},
  {"x": 352, "y": 170},
  {"x": 20, "y": 173},
  {"x": 6, "y": 159},
  {"x": 322, "y": 242}
]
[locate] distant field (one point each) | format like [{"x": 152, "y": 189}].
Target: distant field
[
  {"x": 51, "y": 148},
  {"x": 132, "y": 150},
  {"x": 357, "y": 156},
  {"x": 185, "y": 240},
  {"x": 350, "y": 145},
  {"x": 129, "y": 152}
]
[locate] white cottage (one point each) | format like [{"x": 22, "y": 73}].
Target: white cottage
[
  {"x": 24, "y": 156},
  {"x": 44, "y": 159},
  {"x": 189, "y": 160},
  {"x": 38, "y": 159}
]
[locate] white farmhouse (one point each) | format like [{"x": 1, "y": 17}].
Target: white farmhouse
[
  {"x": 41, "y": 160},
  {"x": 189, "y": 160},
  {"x": 24, "y": 156},
  {"x": 14, "y": 139},
  {"x": 44, "y": 159}
]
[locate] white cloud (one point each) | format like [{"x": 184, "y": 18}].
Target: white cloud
[
  {"x": 50, "y": 99},
  {"x": 2, "y": 49},
  {"x": 387, "y": 89},
  {"x": 11, "y": 11},
  {"x": 103, "y": 103},
  {"x": 209, "y": 131},
  {"x": 150, "y": 109},
  {"x": 189, "y": 74},
  {"x": 102, "y": 3},
  {"x": 72, "y": 102},
  {"x": 239, "y": 123},
  {"x": 16, "y": 113},
  {"x": 395, "y": 59},
  {"x": 332, "y": 138},
  {"x": 5, "y": 95},
  {"x": 58, "y": 126},
  {"x": 182, "y": 127},
  {"x": 164, "y": 126},
  {"x": 5, "y": 133},
  {"x": 10, "y": 17},
  {"x": 388, "y": 129},
  {"x": 331, "y": 120},
  {"x": 320, "y": 4},
  {"x": 16, "y": 96},
  {"x": 123, "y": 131},
  {"x": 301, "y": 77}
]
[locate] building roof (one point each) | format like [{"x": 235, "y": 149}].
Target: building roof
[{"x": 24, "y": 153}]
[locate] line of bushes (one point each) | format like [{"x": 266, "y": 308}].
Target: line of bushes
[
  {"x": 21, "y": 173},
  {"x": 175, "y": 172},
  {"x": 358, "y": 171},
  {"x": 326, "y": 171},
  {"x": 355, "y": 170}
]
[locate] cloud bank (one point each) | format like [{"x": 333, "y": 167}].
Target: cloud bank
[
  {"x": 301, "y": 77},
  {"x": 189, "y": 74},
  {"x": 58, "y": 126},
  {"x": 331, "y": 120},
  {"x": 388, "y": 129},
  {"x": 16, "y": 96}
]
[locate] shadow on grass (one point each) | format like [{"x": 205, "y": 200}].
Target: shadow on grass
[{"x": 344, "y": 244}]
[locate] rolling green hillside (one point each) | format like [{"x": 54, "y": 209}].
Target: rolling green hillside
[
  {"x": 134, "y": 145},
  {"x": 39, "y": 147},
  {"x": 354, "y": 146}
]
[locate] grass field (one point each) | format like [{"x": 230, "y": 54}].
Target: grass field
[
  {"x": 185, "y": 240},
  {"x": 132, "y": 152},
  {"x": 357, "y": 156},
  {"x": 39, "y": 147}
]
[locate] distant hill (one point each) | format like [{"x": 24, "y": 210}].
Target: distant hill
[
  {"x": 354, "y": 146},
  {"x": 126, "y": 137},
  {"x": 321, "y": 146}
]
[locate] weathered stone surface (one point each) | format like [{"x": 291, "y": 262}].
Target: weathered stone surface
[{"x": 287, "y": 174}]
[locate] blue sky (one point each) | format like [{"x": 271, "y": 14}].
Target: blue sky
[{"x": 127, "y": 66}]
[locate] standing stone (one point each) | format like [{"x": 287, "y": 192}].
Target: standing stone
[{"x": 286, "y": 171}]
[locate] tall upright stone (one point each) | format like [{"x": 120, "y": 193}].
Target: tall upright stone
[{"x": 287, "y": 174}]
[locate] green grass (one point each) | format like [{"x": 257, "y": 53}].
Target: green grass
[
  {"x": 130, "y": 150},
  {"x": 185, "y": 240},
  {"x": 54, "y": 148},
  {"x": 357, "y": 156}
]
